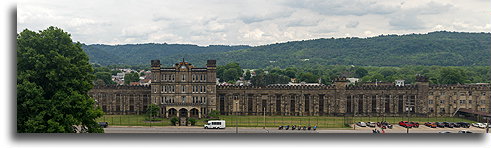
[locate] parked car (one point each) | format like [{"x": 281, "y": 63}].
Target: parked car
[
  {"x": 465, "y": 131},
  {"x": 444, "y": 132},
  {"x": 475, "y": 124},
  {"x": 447, "y": 124},
  {"x": 361, "y": 124},
  {"x": 415, "y": 124},
  {"x": 431, "y": 124},
  {"x": 103, "y": 124},
  {"x": 371, "y": 124},
  {"x": 464, "y": 124},
  {"x": 406, "y": 124},
  {"x": 440, "y": 124},
  {"x": 455, "y": 125},
  {"x": 481, "y": 125},
  {"x": 386, "y": 125}
]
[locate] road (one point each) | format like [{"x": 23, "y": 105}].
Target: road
[{"x": 183, "y": 129}]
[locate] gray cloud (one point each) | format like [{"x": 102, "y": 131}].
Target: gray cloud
[
  {"x": 352, "y": 24},
  {"x": 411, "y": 18},
  {"x": 344, "y": 7},
  {"x": 253, "y": 22}
]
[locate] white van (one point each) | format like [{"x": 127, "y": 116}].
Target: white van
[{"x": 218, "y": 124}]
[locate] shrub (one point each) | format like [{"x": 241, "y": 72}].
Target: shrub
[
  {"x": 174, "y": 120},
  {"x": 192, "y": 121}
]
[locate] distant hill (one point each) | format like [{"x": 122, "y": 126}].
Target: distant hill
[
  {"x": 435, "y": 48},
  {"x": 139, "y": 54}
]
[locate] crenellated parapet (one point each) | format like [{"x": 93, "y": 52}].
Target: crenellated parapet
[
  {"x": 275, "y": 87},
  {"x": 482, "y": 87},
  {"x": 123, "y": 87},
  {"x": 381, "y": 87}
]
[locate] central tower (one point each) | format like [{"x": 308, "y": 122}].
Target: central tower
[{"x": 184, "y": 90}]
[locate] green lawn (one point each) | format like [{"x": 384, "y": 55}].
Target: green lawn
[
  {"x": 275, "y": 121},
  {"x": 138, "y": 120}
]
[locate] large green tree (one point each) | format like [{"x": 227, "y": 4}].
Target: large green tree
[
  {"x": 451, "y": 76},
  {"x": 105, "y": 77},
  {"x": 229, "y": 72},
  {"x": 53, "y": 80},
  {"x": 131, "y": 77}
]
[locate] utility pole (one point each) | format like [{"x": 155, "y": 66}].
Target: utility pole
[
  {"x": 264, "y": 115},
  {"x": 487, "y": 125}
]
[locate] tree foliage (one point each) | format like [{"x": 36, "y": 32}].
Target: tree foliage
[
  {"x": 105, "y": 77},
  {"x": 435, "y": 48},
  {"x": 153, "y": 111},
  {"x": 131, "y": 77},
  {"x": 53, "y": 80},
  {"x": 229, "y": 72},
  {"x": 271, "y": 78}
]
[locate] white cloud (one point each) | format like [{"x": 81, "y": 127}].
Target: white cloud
[{"x": 253, "y": 22}]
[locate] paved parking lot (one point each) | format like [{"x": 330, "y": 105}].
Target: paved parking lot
[
  {"x": 422, "y": 129},
  {"x": 181, "y": 129}
]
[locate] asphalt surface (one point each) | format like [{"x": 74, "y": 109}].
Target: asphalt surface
[{"x": 194, "y": 129}]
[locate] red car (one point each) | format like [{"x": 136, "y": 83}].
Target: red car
[{"x": 406, "y": 124}]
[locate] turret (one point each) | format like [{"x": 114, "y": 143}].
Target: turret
[{"x": 422, "y": 85}]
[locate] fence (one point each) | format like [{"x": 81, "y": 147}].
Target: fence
[{"x": 259, "y": 119}]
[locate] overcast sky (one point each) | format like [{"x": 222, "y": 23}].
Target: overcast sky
[{"x": 250, "y": 22}]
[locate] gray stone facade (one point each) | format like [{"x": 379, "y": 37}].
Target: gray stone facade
[{"x": 184, "y": 90}]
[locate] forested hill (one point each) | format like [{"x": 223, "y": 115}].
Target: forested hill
[
  {"x": 139, "y": 54},
  {"x": 435, "y": 48}
]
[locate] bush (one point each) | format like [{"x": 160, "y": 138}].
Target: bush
[
  {"x": 174, "y": 120},
  {"x": 192, "y": 121}
]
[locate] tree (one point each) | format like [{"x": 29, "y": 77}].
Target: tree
[
  {"x": 247, "y": 75},
  {"x": 308, "y": 77},
  {"x": 451, "y": 76},
  {"x": 53, "y": 80},
  {"x": 229, "y": 72},
  {"x": 230, "y": 75},
  {"x": 360, "y": 72},
  {"x": 105, "y": 77},
  {"x": 153, "y": 111},
  {"x": 266, "y": 79},
  {"x": 290, "y": 72},
  {"x": 131, "y": 77}
]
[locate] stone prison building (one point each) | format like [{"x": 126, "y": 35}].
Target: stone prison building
[{"x": 187, "y": 91}]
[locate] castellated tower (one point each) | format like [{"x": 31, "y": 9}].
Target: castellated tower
[
  {"x": 421, "y": 101},
  {"x": 184, "y": 90}
]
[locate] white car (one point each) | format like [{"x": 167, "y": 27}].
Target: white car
[
  {"x": 444, "y": 132},
  {"x": 475, "y": 124},
  {"x": 465, "y": 131},
  {"x": 361, "y": 124},
  {"x": 481, "y": 125},
  {"x": 218, "y": 124},
  {"x": 371, "y": 124}
]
